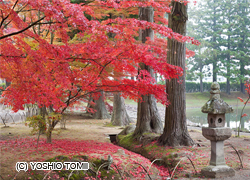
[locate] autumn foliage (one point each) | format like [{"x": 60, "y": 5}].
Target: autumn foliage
[
  {"x": 55, "y": 52},
  {"x": 247, "y": 84}
]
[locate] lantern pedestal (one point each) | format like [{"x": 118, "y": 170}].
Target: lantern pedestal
[
  {"x": 217, "y": 167},
  {"x": 218, "y": 171}
]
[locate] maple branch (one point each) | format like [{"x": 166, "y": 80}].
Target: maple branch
[
  {"x": 8, "y": 14},
  {"x": 69, "y": 98},
  {"x": 94, "y": 60},
  {"x": 2, "y": 17},
  {"x": 49, "y": 23},
  {"x": 13, "y": 56},
  {"x": 103, "y": 67},
  {"x": 117, "y": 86},
  {"x": 21, "y": 9},
  {"x": 28, "y": 10},
  {"x": 12, "y": 19},
  {"x": 18, "y": 32},
  {"x": 7, "y": 24},
  {"x": 77, "y": 98}
]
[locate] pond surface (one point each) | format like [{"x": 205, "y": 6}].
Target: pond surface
[{"x": 196, "y": 117}]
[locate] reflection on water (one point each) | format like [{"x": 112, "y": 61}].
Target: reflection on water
[{"x": 231, "y": 121}]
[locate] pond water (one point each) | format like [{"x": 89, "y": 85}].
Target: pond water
[{"x": 232, "y": 119}]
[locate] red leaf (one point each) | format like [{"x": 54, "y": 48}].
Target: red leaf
[
  {"x": 244, "y": 115},
  {"x": 241, "y": 100}
]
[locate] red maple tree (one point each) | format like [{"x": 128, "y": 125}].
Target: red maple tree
[{"x": 61, "y": 73}]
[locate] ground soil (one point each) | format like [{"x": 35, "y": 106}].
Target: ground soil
[{"x": 79, "y": 128}]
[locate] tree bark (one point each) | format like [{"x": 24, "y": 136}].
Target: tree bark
[
  {"x": 100, "y": 108},
  {"x": 49, "y": 135},
  {"x": 242, "y": 73},
  {"x": 8, "y": 84},
  {"x": 120, "y": 116},
  {"x": 175, "y": 131},
  {"x": 148, "y": 117},
  {"x": 215, "y": 71},
  {"x": 201, "y": 85},
  {"x": 201, "y": 82},
  {"x": 242, "y": 87},
  {"x": 228, "y": 63},
  {"x": 228, "y": 86}
]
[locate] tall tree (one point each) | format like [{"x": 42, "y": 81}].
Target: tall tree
[
  {"x": 175, "y": 130},
  {"x": 228, "y": 36},
  {"x": 206, "y": 20},
  {"x": 213, "y": 32},
  {"x": 243, "y": 39},
  {"x": 148, "y": 117},
  {"x": 196, "y": 64}
]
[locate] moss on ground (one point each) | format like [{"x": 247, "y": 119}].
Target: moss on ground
[
  {"x": 147, "y": 146},
  {"x": 109, "y": 125}
]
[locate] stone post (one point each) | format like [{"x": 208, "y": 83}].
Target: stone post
[{"x": 217, "y": 133}]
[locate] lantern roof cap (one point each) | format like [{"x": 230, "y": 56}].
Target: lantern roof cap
[{"x": 215, "y": 105}]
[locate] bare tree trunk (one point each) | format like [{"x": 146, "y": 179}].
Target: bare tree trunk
[
  {"x": 120, "y": 116},
  {"x": 228, "y": 86},
  {"x": 201, "y": 82},
  {"x": 242, "y": 87},
  {"x": 148, "y": 117},
  {"x": 49, "y": 135},
  {"x": 100, "y": 108},
  {"x": 201, "y": 85},
  {"x": 175, "y": 131},
  {"x": 8, "y": 84}
]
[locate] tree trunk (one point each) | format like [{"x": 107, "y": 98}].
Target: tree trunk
[
  {"x": 148, "y": 117},
  {"x": 201, "y": 85},
  {"x": 175, "y": 131},
  {"x": 242, "y": 86},
  {"x": 8, "y": 84},
  {"x": 120, "y": 116},
  {"x": 228, "y": 63},
  {"x": 214, "y": 71},
  {"x": 228, "y": 86},
  {"x": 214, "y": 42},
  {"x": 201, "y": 82},
  {"x": 49, "y": 134},
  {"x": 242, "y": 73},
  {"x": 100, "y": 109}
]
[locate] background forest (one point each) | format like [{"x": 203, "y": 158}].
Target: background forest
[{"x": 223, "y": 28}]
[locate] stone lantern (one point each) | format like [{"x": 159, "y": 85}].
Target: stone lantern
[{"x": 216, "y": 133}]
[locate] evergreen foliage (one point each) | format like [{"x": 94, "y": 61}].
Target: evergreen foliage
[{"x": 222, "y": 27}]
